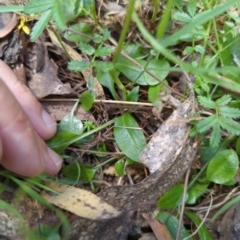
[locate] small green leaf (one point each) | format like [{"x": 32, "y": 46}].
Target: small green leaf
[
  {"x": 230, "y": 125},
  {"x": 78, "y": 66},
  {"x": 133, "y": 95},
  {"x": 205, "y": 124},
  {"x": 181, "y": 16},
  {"x": 199, "y": 49},
  {"x": 223, "y": 167},
  {"x": 119, "y": 167},
  {"x": 215, "y": 135},
  {"x": 86, "y": 48},
  {"x": 57, "y": 13},
  {"x": 207, "y": 102},
  {"x": 84, "y": 30},
  {"x": 106, "y": 80},
  {"x": 38, "y": 6},
  {"x": 40, "y": 25},
  {"x": 196, "y": 191},
  {"x": 97, "y": 38},
  {"x": 153, "y": 92},
  {"x": 203, "y": 232},
  {"x": 129, "y": 136},
  {"x": 71, "y": 123},
  {"x": 171, "y": 223},
  {"x": 172, "y": 197},
  {"x": 86, "y": 172},
  {"x": 224, "y": 100},
  {"x": 192, "y": 7},
  {"x": 229, "y": 112},
  {"x": 104, "y": 51},
  {"x": 86, "y": 100}
]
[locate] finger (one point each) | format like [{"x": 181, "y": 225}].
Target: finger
[
  {"x": 42, "y": 122},
  {"x": 24, "y": 152}
]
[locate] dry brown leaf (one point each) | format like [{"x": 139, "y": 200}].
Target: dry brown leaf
[
  {"x": 98, "y": 90},
  {"x": 46, "y": 82},
  {"x": 160, "y": 230},
  {"x": 80, "y": 202}
]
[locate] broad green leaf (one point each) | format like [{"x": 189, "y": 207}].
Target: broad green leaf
[
  {"x": 86, "y": 100},
  {"x": 216, "y": 135},
  {"x": 158, "y": 68},
  {"x": 224, "y": 100},
  {"x": 71, "y": 123},
  {"x": 119, "y": 167},
  {"x": 129, "y": 136},
  {"x": 206, "y": 124},
  {"x": 103, "y": 66},
  {"x": 223, "y": 167},
  {"x": 106, "y": 80},
  {"x": 104, "y": 51},
  {"x": 38, "y": 6},
  {"x": 232, "y": 182},
  {"x": 60, "y": 141},
  {"x": 57, "y": 14},
  {"x": 229, "y": 112},
  {"x": 230, "y": 125},
  {"x": 86, "y": 172},
  {"x": 133, "y": 95},
  {"x": 196, "y": 191},
  {"x": 134, "y": 50},
  {"x": 138, "y": 75},
  {"x": 85, "y": 32},
  {"x": 188, "y": 50},
  {"x": 171, "y": 223},
  {"x": 78, "y": 66},
  {"x": 86, "y": 48},
  {"x": 172, "y": 197},
  {"x": 40, "y": 25},
  {"x": 203, "y": 232},
  {"x": 207, "y": 102}
]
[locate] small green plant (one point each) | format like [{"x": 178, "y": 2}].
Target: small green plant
[{"x": 221, "y": 120}]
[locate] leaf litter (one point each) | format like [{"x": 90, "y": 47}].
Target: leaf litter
[{"x": 105, "y": 112}]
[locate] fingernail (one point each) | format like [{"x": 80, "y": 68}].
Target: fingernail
[
  {"x": 55, "y": 157},
  {"x": 48, "y": 119}
]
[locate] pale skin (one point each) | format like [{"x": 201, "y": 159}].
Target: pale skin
[{"x": 24, "y": 126}]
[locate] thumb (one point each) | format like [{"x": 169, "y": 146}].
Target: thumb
[{"x": 23, "y": 151}]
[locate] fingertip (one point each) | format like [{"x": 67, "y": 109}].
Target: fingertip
[{"x": 53, "y": 162}]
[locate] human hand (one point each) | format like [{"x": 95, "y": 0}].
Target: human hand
[{"x": 24, "y": 126}]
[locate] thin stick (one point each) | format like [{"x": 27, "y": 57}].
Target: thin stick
[{"x": 183, "y": 204}]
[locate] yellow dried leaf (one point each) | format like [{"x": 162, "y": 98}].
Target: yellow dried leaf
[{"x": 80, "y": 202}]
